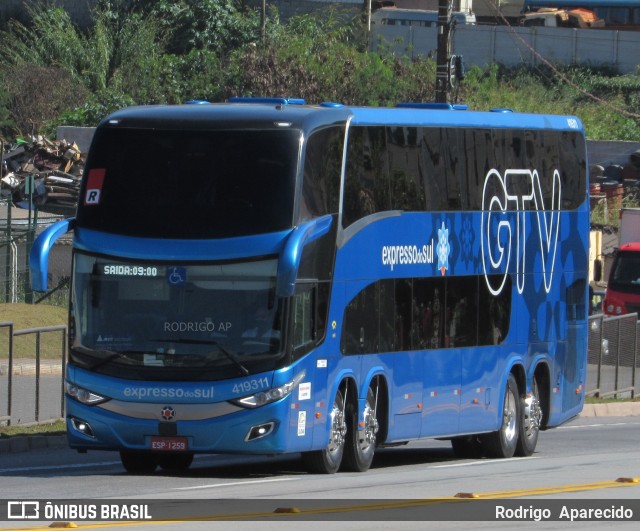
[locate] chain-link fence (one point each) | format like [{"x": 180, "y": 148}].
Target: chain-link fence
[{"x": 18, "y": 227}]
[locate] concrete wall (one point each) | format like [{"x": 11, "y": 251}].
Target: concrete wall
[
  {"x": 513, "y": 46},
  {"x": 606, "y": 152},
  {"x": 82, "y": 136}
]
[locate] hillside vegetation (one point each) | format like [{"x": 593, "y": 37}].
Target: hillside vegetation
[{"x": 172, "y": 51}]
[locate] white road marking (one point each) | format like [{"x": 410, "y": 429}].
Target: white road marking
[{"x": 213, "y": 486}]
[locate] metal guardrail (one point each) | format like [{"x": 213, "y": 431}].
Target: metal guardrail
[
  {"x": 613, "y": 363},
  {"x": 33, "y": 384},
  {"x": 613, "y": 357}
]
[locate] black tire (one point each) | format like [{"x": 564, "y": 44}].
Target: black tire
[
  {"x": 329, "y": 459},
  {"x": 361, "y": 444},
  {"x": 138, "y": 462},
  {"x": 530, "y": 421},
  {"x": 174, "y": 462},
  {"x": 503, "y": 443},
  {"x": 467, "y": 447}
]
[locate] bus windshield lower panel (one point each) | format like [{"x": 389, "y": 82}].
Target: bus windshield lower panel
[{"x": 172, "y": 322}]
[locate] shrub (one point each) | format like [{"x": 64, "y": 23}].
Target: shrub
[{"x": 36, "y": 94}]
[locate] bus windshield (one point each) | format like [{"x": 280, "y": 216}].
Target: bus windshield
[
  {"x": 218, "y": 321},
  {"x": 190, "y": 184}
]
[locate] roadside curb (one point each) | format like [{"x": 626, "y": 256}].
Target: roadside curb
[
  {"x": 28, "y": 368},
  {"x": 27, "y": 443},
  {"x": 613, "y": 409}
]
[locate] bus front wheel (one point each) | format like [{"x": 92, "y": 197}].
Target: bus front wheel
[
  {"x": 503, "y": 443},
  {"x": 361, "y": 443},
  {"x": 329, "y": 459}
]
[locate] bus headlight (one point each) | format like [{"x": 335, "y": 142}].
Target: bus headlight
[
  {"x": 82, "y": 395},
  {"x": 272, "y": 395}
]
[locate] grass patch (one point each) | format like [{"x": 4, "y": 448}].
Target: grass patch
[
  {"x": 55, "y": 428},
  {"x": 25, "y": 316},
  {"x": 33, "y": 315}
]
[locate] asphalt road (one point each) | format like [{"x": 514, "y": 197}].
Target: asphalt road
[{"x": 574, "y": 464}]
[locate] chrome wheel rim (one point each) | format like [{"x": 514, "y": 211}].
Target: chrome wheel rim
[
  {"x": 338, "y": 428},
  {"x": 532, "y": 417},
  {"x": 509, "y": 420},
  {"x": 368, "y": 438}
]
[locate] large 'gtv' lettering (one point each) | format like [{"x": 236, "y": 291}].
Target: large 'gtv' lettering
[{"x": 497, "y": 226}]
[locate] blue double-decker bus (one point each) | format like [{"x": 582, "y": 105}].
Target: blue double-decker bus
[{"x": 264, "y": 276}]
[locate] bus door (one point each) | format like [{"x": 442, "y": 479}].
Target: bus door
[
  {"x": 570, "y": 355},
  {"x": 397, "y": 334},
  {"x": 440, "y": 357}
]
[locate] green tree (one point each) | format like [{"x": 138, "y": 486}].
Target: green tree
[
  {"x": 30, "y": 109},
  {"x": 319, "y": 60},
  {"x": 6, "y": 122},
  {"x": 217, "y": 25},
  {"x": 104, "y": 55}
]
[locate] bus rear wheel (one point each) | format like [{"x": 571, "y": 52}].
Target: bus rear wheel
[
  {"x": 361, "y": 443},
  {"x": 503, "y": 443},
  {"x": 530, "y": 421},
  {"x": 138, "y": 462},
  {"x": 329, "y": 459}
]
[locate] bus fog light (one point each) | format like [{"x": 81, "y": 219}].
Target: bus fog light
[
  {"x": 257, "y": 432},
  {"x": 83, "y": 427}
]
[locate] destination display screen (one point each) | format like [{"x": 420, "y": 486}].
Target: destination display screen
[{"x": 132, "y": 270}]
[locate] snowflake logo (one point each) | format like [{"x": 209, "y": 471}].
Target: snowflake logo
[{"x": 443, "y": 249}]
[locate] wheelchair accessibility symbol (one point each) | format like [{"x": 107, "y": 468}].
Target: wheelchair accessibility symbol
[{"x": 176, "y": 275}]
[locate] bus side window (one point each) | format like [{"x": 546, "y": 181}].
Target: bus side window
[
  {"x": 303, "y": 318},
  {"x": 360, "y": 334},
  {"x": 494, "y": 313},
  {"x": 322, "y": 168},
  {"x": 462, "y": 312},
  {"x": 309, "y": 310}
]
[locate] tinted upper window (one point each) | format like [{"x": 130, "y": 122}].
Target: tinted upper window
[
  {"x": 190, "y": 184},
  {"x": 322, "y": 167},
  {"x": 447, "y": 169}
]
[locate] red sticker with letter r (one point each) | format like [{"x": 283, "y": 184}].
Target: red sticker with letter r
[{"x": 94, "y": 186}]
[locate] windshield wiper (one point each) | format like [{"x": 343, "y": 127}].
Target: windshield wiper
[
  {"x": 97, "y": 355},
  {"x": 230, "y": 355}
]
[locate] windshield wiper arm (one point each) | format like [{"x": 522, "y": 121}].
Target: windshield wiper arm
[
  {"x": 230, "y": 355},
  {"x": 100, "y": 361}
]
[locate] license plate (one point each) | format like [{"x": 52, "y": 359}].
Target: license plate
[{"x": 169, "y": 444}]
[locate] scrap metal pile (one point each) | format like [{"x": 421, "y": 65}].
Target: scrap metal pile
[{"x": 43, "y": 173}]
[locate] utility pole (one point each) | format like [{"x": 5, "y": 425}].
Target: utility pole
[{"x": 443, "y": 57}]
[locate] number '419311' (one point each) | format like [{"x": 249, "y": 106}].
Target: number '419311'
[{"x": 251, "y": 385}]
